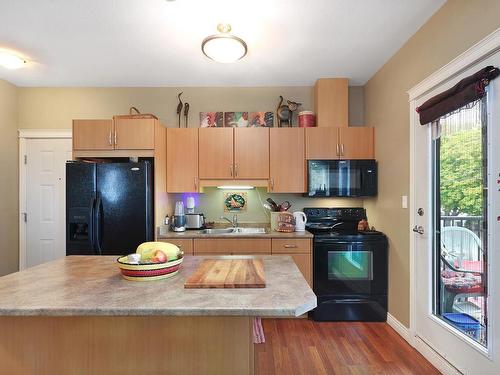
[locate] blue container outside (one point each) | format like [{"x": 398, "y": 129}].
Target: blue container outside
[{"x": 464, "y": 322}]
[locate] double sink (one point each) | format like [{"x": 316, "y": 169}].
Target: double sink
[{"x": 234, "y": 231}]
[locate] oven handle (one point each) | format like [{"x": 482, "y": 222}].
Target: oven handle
[{"x": 336, "y": 242}]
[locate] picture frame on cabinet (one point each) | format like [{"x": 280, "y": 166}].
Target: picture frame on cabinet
[
  {"x": 211, "y": 119},
  {"x": 261, "y": 119},
  {"x": 235, "y": 119}
]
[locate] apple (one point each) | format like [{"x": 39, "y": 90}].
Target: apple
[{"x": 159, "y": 257}]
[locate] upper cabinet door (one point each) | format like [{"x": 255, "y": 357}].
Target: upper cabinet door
[
  {"x": 322, "y": 143},
  {"x": 251, "y": 153},
  {"x": 182, "y": 160},
  {"x": 287, "y": 160},
  {"x": 215, "y": 153},
  {"x": 134, "y": 134},
  {"x": 331, "y": 102},
  {"x": 357, "y": 143},
  {"x": 92, "y": 134}
]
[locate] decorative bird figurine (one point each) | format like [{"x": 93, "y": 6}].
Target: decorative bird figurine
[
  {"x": 186, "y": 114},
  {"x": 179, "y": 108}
]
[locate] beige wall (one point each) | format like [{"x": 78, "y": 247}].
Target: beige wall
[
  {"x": 454, "y": 28},
  {"x": 9, "y": 179},
  {"x": 50, "y": 108}
]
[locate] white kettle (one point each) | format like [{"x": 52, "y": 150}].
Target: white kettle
[{"x": 300, "y": 221}]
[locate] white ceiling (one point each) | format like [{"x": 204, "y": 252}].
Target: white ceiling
[{"x": 157, "y": 42}]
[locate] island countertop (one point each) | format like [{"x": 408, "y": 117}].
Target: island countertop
[{"x": 93, "y": 286}]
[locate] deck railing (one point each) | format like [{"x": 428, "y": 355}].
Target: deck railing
[{"x": 473, "y": 223}]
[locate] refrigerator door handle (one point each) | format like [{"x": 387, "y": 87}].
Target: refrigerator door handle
[
  {"x": 91, "y": 222},
  {"x": 97, "y": 215}
]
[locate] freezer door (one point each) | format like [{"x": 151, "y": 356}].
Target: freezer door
[
  {"x": 80, "y": 208},
  {"x": 124, "y": 207}
]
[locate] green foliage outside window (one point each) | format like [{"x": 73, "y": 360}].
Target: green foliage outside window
[{"x": 461, "y": 173}]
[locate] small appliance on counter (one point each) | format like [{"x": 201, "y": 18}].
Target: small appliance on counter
[
  {"x": 195, "y": 221},
  {"x": 179, "y": 220},
  {"x": 300, "y": 221},
  {"x": 350, "y": 266}
]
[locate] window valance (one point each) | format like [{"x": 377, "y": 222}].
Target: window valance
[{"x": 468, "y": 90}]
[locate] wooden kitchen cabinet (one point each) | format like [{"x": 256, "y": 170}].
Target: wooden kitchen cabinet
[
  {"x": 216, "y": 153},
  {"x": 251, "y": 153},
  {"x": 185, "y": 244},
  {"x": 357, "y": 143},
  {"x": 182, "y": 160},
  {"x": 92, "y": 135},
  {"x": 304, "y": 264},
  {"x": 340, "y": 143},
  {"x": 331, "y": 102},
  {"x": 300, "y": 250},
  {"x": 134, "y": 134},
  {"x": 232, "y": 246},
  {"x": 287, "y": 160},
  {"x": 322, "y": 143}
]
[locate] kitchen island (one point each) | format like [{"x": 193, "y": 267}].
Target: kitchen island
[{"x": 77, "y": 315}]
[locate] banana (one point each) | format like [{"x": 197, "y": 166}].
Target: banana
[{"x": 147, "y": 250}]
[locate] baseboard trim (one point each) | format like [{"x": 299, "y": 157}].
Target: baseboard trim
[
  {"x": 430, "y": 354},
  {"x": 435, "y": 358},
  {"x": 399, "y": 327}
]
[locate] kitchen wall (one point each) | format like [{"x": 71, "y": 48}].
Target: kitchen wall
[
  {"x": 51, "y": 108},
  {"x": 211, "y": 203},
  {"x": 9, "y": 179},
  {"x": 450, "y": 31}
]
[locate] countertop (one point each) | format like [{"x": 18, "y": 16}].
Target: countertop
[
  {"x": 195, "y": 233},
  {"x": 92, "y": 285}
]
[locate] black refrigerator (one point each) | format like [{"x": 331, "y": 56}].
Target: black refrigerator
[{"x": 109, "y": 207}]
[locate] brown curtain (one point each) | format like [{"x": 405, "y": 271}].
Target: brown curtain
[{"x": 467, "y": 91}]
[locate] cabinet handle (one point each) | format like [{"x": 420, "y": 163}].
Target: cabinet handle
[
  {"x": 195, "y": 184},
  {"x": 342, "y": 149},
  {"x": 231, "y": 170},
  {"x": 109, "y": 139},
  {"x": 286, "y": 246},
  {"x": 271, "y": 181},
  {"x": 116, "y": 142},
  {"x": 338, "y": 152},
  {"x": 236, "y": 170}
]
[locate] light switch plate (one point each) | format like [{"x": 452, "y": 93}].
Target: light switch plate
[{"x": 404, "y": 201}]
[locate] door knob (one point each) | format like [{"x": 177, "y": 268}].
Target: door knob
[{"x": 418, "y": 229}]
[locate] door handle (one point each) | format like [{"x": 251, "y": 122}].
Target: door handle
[
  {"x": 342, "y": 149},
  {"x": 271, "y": 182},
  {"x": 236, "y": 170},
  {"x": 116, "y": 140},
  {"x": 109, "y": 139},
  {"x": 231, "y": 170},
  {"x": 196, "y": 184},
  {"x": 338, "y": 150},
  {"x": 418, "y": 229},
  {"x": 98, "y": 233},
  {"x": 91, "y": 222}
]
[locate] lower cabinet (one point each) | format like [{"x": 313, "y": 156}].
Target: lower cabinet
[{"x": 299, "y": 249}]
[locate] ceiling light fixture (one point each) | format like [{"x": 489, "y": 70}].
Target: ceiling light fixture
[
  {"x": 224, "y": 47},
  {"x": 11, "y": 61}
]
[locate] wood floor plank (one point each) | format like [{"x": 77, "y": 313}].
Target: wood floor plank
[{"x": 301, "y": 346}]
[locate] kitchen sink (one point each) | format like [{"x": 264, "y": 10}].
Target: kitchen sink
[
  {"x": 217, "y": 231},
  {"x": 234, "y": 231}
]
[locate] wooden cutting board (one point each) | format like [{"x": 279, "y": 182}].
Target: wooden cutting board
[{"x": 228, "y": 273}]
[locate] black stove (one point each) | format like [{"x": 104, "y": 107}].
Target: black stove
[{"x": 350, "y": 267}]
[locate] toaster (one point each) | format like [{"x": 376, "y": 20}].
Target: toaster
[{"x": 195, "y": 221}]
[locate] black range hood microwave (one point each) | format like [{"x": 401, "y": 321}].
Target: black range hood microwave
[{"x": 342, "y": 178}]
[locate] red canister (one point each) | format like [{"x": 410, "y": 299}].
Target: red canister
[{"x": 307, "y": 119}]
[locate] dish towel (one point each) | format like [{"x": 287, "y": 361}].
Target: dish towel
[{"x": 258, "y": 331}]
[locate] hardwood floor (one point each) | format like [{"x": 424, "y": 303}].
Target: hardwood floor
[{"x": 301, "y": 346}]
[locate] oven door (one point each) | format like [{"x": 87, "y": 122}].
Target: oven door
[{"x": 350, "y": 267}]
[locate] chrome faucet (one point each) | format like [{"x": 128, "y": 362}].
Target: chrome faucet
[{"x": 233, "y": 222}]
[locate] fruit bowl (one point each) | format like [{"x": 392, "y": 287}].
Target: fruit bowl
[{"x": 148, "y": 271}]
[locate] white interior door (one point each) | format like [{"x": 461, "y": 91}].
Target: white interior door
[
  {"x": 45, "y": 199},
  {"x": 457, "y": 229}
]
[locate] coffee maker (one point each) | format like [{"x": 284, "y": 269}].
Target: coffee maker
[{"x": 179, "y": 221}]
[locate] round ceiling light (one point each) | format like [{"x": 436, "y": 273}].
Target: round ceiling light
[
  {"x": 224, "y": 47},
  {"x": 11, "y": 61}
]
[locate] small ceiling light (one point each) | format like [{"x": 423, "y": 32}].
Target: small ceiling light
[
  {"x": 224, "y": 47},
  {"x": 11, "y": 61}
]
